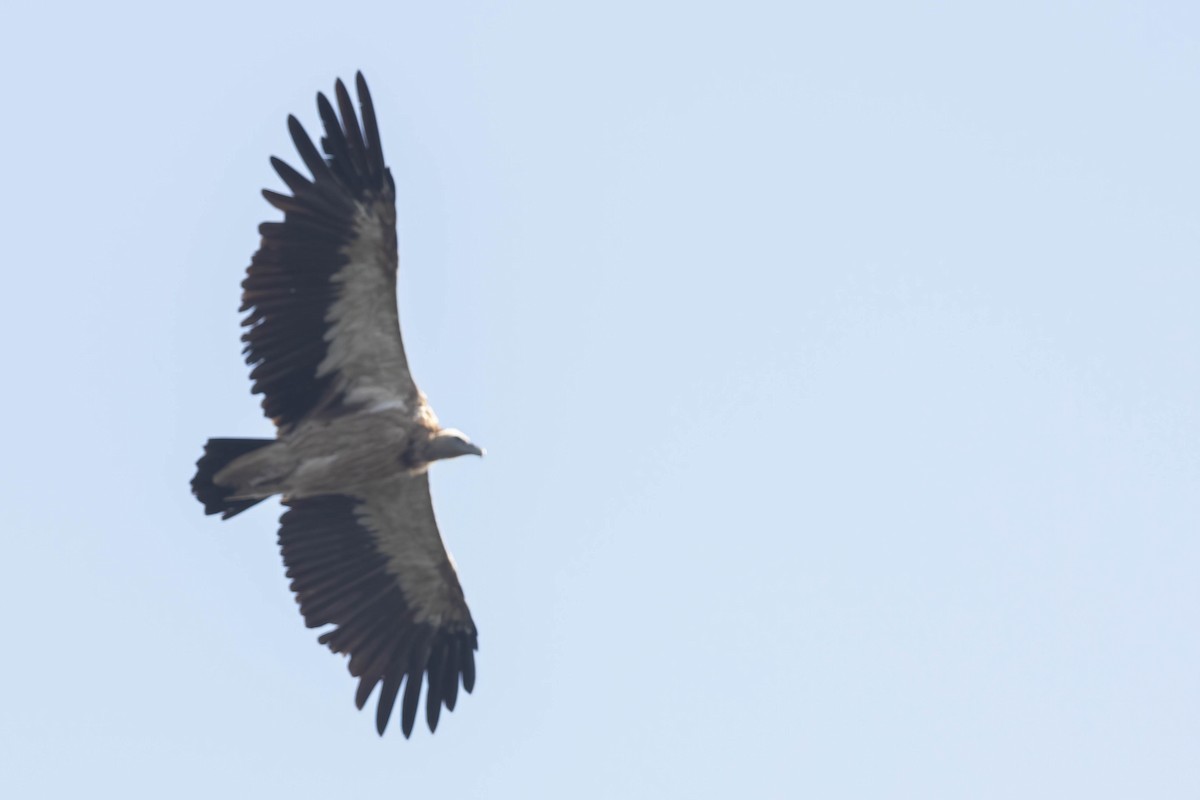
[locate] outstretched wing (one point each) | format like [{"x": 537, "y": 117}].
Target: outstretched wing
[
  {"x": 323, "y": 328},
  {"x": 374, "y": 565}
]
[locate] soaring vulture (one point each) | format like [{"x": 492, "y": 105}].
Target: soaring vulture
[{"x": 354, "y": 435}]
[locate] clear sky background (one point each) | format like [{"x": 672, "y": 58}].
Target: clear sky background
[{"x": 837, "y": 365}]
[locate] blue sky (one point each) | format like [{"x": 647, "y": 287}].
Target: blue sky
[{"x": 836, "y": 365}]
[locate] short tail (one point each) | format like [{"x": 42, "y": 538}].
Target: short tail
[{"x": 218, "y": 453}]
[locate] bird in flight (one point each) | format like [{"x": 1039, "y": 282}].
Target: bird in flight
[{"x": 354, "y": 435}]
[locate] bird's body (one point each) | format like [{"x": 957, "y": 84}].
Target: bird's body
[
  {"x": 355, "y": 436},
  {"x": 338, "y": 454}
]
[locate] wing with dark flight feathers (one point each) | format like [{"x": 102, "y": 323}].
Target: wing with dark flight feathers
[
  {"x": 374, "y": 565},
  {"x": 323, "y": 329}
]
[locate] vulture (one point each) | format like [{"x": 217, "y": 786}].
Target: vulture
[{"x": 354, "y": 435}]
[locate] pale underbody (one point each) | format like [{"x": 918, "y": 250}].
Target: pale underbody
[{"x": 340, "y": 455}]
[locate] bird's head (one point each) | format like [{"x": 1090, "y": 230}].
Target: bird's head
[{"x": 449, "y": 443}]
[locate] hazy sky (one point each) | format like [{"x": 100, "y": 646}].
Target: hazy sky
[{"x": 836, "y": 362}]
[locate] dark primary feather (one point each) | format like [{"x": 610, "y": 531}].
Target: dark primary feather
[
  {"x": 354, "y": 137},
  {"x": 341, "y": 578},
  {"x": 373, "y": 144},
  {"x": 288, "y": 289}
]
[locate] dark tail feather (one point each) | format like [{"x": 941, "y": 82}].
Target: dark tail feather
[{"x": 218, "y": 453}]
